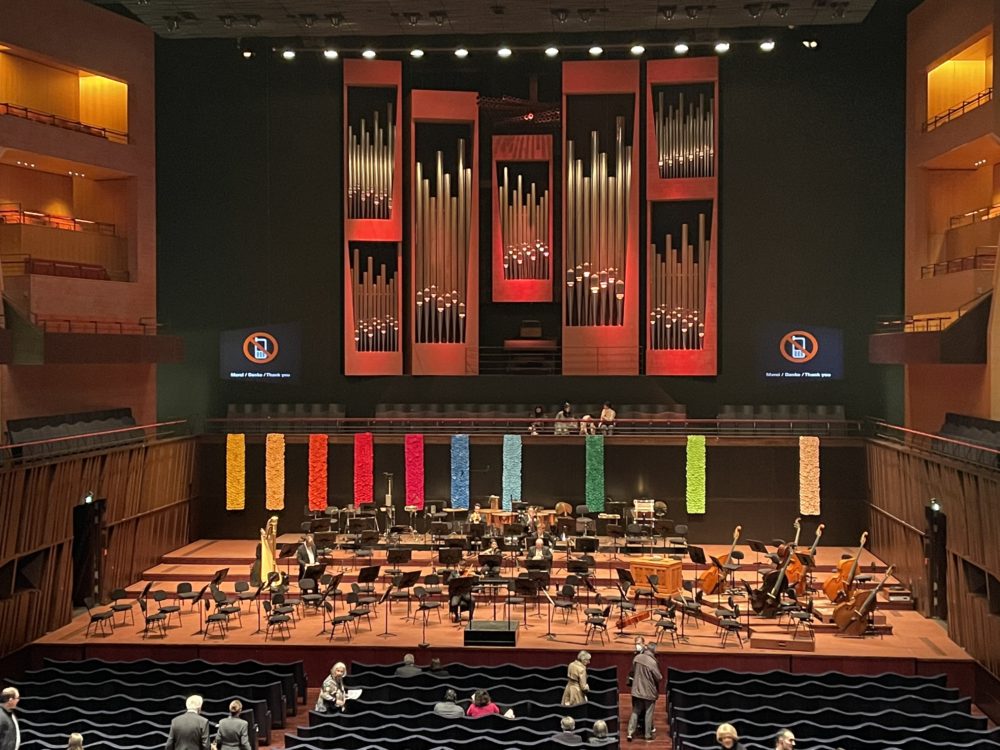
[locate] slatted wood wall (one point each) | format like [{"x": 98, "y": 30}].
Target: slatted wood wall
[
  {"x": 901, "y": 483},
  {"x": 148, "y": 490}
]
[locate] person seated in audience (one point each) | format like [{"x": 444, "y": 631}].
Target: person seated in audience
[
  {"x": 567, "y": 735},
  {"x": 437, "y": 669},
  {"x": 233, "y": 732},
  {"x": 482, "y": 705},
  {"x": 333, "y": 693},
  {"x": 608, "y": 417},
  {"x": 540, "y": 551},
  {"x": 409, "y": 668},
  {"x": 599, "y": 733},
  {"x": 576, "y": 689},
  {"x": 587, "y": 425},
  {"x": 75, "y": 741},
  {"x": 727, "y": 737},
  {"x": 449, "y": 708},
  {"x": 785, "y": 740},
  {"x": 565, "y": 422},
  {"x": 537, "y": 414}
]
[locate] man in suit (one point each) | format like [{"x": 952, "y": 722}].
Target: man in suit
[
  {"x": 568, "y": 735},
  {"x": 306, "y": 554},
  {"x": 10, "y": 732},
  {"x": 409, "y": 669},
  {"x": 233, "y": 731},
  {"x": 449, "y": 708},
  {"x": 189, "y": 731},
  {"x": 540, "y": 551}
]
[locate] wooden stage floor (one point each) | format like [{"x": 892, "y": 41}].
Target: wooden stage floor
[{"x": 916, "y": 644}]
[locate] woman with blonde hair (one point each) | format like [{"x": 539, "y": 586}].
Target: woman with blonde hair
[
  {"x": 75, "y": 741},
  {"x": 727, "y": 737},
  {"x": 576, "y": 681}
]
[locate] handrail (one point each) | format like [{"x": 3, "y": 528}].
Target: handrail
[
  {"x": 926, "y": 323},
  {"x": 976, "y": 262},
  {"x": 22, "y": 264},
  {"x": 14, "y": 213},
  {"x": 989, "y": 457},
  {"x": 47, "y": 118},
  {"x": 958, "y": 110},
  {"x": 69, "y": 443},
  {"x": 971, "y": 217}
]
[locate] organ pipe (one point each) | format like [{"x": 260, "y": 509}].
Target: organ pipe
[
  {"x": 677, "y": 290},
  {"x": 375, "y": 295},
  {"x": 441, "y": 250},
  {"x": 524, "y": 229},
  {"x": 685, "y": 136},
  {"x": 597, "y": 208},
  {"x": 370, "y": 162}
]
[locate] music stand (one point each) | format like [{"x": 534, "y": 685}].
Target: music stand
[
  {"x": 461, "y": 587},
  {"x": 565, "y": 526},
  {"x": 758, "y": 548},
  {"x": 397, "y": 556},
  {"x": 439, "y": 529},
  {"x": 201, "y": 595},
  {"x": 325, "y": 541},
  {"x": 314, "y": 572},
  {"x": 491, "y": 561},
  {"x": 586, "y": 545},
  {"x": 449, "y": 557},
  {"x": 331, "y": 591},
  {"x": 540, "y": 565},
  {"x": 385, "y": 614},
  {"x": 220, "y": 576},
  {"x": 549, "y": 635},
  {"x": 697, "y": 555},
  {"x": 524, "y": 588},
  {"x": 367, "y": 577}
]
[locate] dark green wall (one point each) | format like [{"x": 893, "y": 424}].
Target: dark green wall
[{"x": 811, "y": 219}]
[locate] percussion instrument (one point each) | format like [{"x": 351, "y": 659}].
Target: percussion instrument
[
  {"x": 643, "y": 509},
  {"x": 545, "y": 519}
]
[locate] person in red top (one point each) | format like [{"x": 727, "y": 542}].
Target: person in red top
[{"x": 482, "y": 705}]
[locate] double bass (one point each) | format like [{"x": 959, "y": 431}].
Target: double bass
[
  {"x": 797, "y": 571},
  {"x": 852, "y": 617},
  {"x": 766, "y": 600},
  {"x": 712, "y": 579},
  {"x": 838, "y": 586}
]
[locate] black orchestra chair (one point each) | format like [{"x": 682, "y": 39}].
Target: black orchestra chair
[
  {"x": 224, "y": 606},
  {"x": 335, "y": 620},
  {"x": 804, "y": 619},
  {"x": 152, "y": 619},
  {"x": 598, "y": 623},
  {"x": 167, "y": 609},
  {"x": 218, "y": 620},
  {"x": 186, "y": 593},
  {"x": 426, "y": 605},
  {"x": 280, "y": 606},
  {"x": 357, "y": 610},
  {"x": 310, "y": 596},
  {"x": 276, "y": 621},
  {"x": 566, "y": 602},
  {"x": 244, "y": 593},
  {"x": 667, "y": 624},
  {"x": 731, "y": 626},
  {"x": 432, "y": 584},
  {"x": 648, "y": 592},
  {"x": 99, "y": 619},
  {"x": 121, "y": 604}
]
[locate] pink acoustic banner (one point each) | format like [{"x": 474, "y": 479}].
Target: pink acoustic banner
[
  {"x": 414, "y": 445},
  {"x": 364, "y": 468}
]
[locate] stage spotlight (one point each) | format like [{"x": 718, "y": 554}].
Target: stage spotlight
[
  {"x": 461, "y": 53},
  {"x": 330, "y": 53},
  {"x": 637, "y": 49},
  {"x": 288, "y": 54},
  {"x": 810, "y": 43},
  {"x": 767, "y": 45},
  {"x": 368, "y": 53},
  {"x": 666, "y": 12},
  {"x": 722, "y": 47},
  {"x": 596, "y": 51},
  {"x": 680, "y": 48},
  {"x": 551, "y": 51},
  {"x": 416, "y": 53},
  {"x": 504, "y": 52}
]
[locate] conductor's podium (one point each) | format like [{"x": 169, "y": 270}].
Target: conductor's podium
[{"x": 669, "y": 573}]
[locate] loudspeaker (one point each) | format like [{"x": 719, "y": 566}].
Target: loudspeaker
[{"x": 491, "y": 633}]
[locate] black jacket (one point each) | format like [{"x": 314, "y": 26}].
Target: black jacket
[
  {"x": 233, "y": 734},
  {"x": 189, "y": 731},
  {"x": 8, "y": 732}
]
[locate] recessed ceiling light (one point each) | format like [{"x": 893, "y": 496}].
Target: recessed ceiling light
[
  {"x": 637, "y": 49},
  {"x": 504, "y": 52},
  {"x": 551, "y": 51},
  {"x": 722, "y": 47},
  {"x": 330, "y": 53},
  {"x": 767, "y": 45},
  {"x": 368, "y": 54},
  {"x": 596, "y": 51},
  {"x": 810, "y": 43},
  {"x": 288, "y": 54},
  {"x": 416, "y": 53},
  {"x": 680, "y": 48},
  {"x": 461, "y": 53}
]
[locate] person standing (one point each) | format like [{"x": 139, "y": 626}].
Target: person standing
[
  {"x": 576, "y": 684},
  {"x": 333, "y": 693},
  {"x": 306, "y": 554},
  {"x": 10, "y": 731},
  {"x": 189, "y": 731},
  {"x": 646, "y": 678},
  {"x": 234, "y": 732}
]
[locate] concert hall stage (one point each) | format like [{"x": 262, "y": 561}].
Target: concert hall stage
[{"x": 916, "y": 645}]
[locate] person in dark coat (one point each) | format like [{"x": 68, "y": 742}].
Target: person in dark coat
[
  {"x": 449, "y": 708},
  {"x": 409, "y": 669},
  {"x": 234, "y": 732},
  {"x": 727, "y": 737},
  {"x": 306, "y": 554},
  {"x": 189, "y": 731},
  {"x": 646, "y": 679},
  {"x": 10, "y": 732},
  {"x": 568, "y": 736}
]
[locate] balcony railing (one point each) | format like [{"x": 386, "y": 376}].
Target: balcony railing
[
  {"x": 984, "y": 259},
  {"x": 46, "y": 118},
  {"x": 26, "y": 265},
  {"x": 975, "y": 453},
  {"x": 958, "y": 110},
  {"x": 67, "y": 324},
  {"x": 971, "y": 217},
  {"x": 13, "y": 213}
]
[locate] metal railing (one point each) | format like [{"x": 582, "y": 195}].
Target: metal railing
[
  {"x": 939, "y": 445},
  {"x": 958, "y": 110},
  {"x": 979, "y": 261},
  {"x": 65, "y": 445},
  {"x": 971, "y": 217},
  {"x": 577, "y": 426},
  {"x": 20, "y": 264},
  {"x": 498, "y": 360},
  {"x": 13, "y": 213},
  {"x": 913, "y": 323},
  {"x": 55, "y": 324},
  {"x": 47, "y": 118}
]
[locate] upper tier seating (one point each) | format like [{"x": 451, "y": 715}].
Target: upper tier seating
[{"x": 34, "y": 429}]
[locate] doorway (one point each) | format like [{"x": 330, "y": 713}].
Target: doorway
[
  {"x": 936, "y": 553},
  {"x": 88, "y": 549}
]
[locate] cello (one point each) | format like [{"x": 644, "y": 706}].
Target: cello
[
  {"x": 711, "y": 579},
  {"x": 838, "y": 586},
  {"x": 766, "y": 600},
  {"x": 852, "y": 617},
  {"x": 797, "y": 571}
]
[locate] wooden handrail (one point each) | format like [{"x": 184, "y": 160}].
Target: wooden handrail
[
  {"x": 929, "y": 436},
  {"x": 117, "y": 430}
]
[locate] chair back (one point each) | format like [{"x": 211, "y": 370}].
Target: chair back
[
  {"x": 184, "y": 588},
  {"x": 89, "y": 603}
]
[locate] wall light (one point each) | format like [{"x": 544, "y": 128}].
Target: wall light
[
  {"x": 722, "y": 47},
  {"x": 551, "y": 51},
  {"x": 810, "y": 43},
  {"x": 330, "y": 53},
  {"x": 680, "y": 48},
  {"x": 637, "y": 49},
  {"x": 767, "y": 45},
  {"x": 416, "y": 53},
  {"x": 935, "y": 505},
  {"x": 461, "y": 53},
  {"x": 288, "y": 54},
  {"x": 368, "y": 53},
  {"x": 504, "y": 52},
  {"x": 596, "y": 51}
]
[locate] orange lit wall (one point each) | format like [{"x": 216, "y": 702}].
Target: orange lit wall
[
  {"x": 103, "y": 102},
  {"x": 39, "y": 87},
  {"x": 35, "y": 190},
  {"x": 961, "y": 77},
  {"x": 933, "y": 390}
]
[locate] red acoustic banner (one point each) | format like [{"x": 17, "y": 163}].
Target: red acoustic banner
[
  {"x": 364, "y": 468},
  {"x": 600, "y": 275},
  {"x": 522, "y": 218},
  {"x": 373, "y": 217},
  {"x": 682, "y": 190},
  {"x": 318, "y": 447},
  {"x": 414, "y": 454}
]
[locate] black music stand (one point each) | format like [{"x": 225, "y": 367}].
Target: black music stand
[
  {"x": 491, "y": 561},
  {"x": 439, "y": 529},
  {"x": 201, "y": 595},
  {"x": 565, "y": 526},
  {"x": 406, "y": 581},
  {"x": 397, "y": 556},
  {"x": 544, "y": 565},
  {"x": 332, "y": 593},
  {"x": 587, "y": 545},
  {"x": 220, "y": 576},
  {"x": 325, "y": 541},
  {"x": 367, "y": 577},
  {"x": 758, "y": 548},
  {"x": 314, "y": 572},
  {"x": 385, "y": 614},
  {"x": 549, "y": 635},
  {"x": 462, "y": 587},
  {"x": 525, "y": 588},
  {"x": 448, "y": 557},
  {"x": 697, "y": 555}
]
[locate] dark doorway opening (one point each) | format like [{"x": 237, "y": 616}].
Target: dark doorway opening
[
  {"x": 936, "y": 551},
  {"x": 88, "y": 549}
]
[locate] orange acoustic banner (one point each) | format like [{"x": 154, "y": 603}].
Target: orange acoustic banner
[{"x": 318, "y": 448}]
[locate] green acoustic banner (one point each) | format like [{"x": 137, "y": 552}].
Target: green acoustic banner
[
  {"x": 696, "y": 474},
  {"x": 595, "y": 473}
]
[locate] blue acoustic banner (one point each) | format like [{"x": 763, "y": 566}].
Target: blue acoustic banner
[
  {"x": 459, "y": 471},
  {"x": 511, "y": 470}
]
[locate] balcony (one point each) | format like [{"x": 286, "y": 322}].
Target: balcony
[
  {"x": 958, "y": 338},
  {"x": 984, "y": 259},
  {"x": 47, "y": 118},
  {"x": 956, "y": 111}
]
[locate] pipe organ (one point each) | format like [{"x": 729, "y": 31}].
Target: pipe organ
[
  {"x": 375, "y": 299},
  {"x": 685, "y": 135},
  {"x": 677, "y": 288},
  {"x": 524, "y": 228},
  {"x": 371, "y": 159}
]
